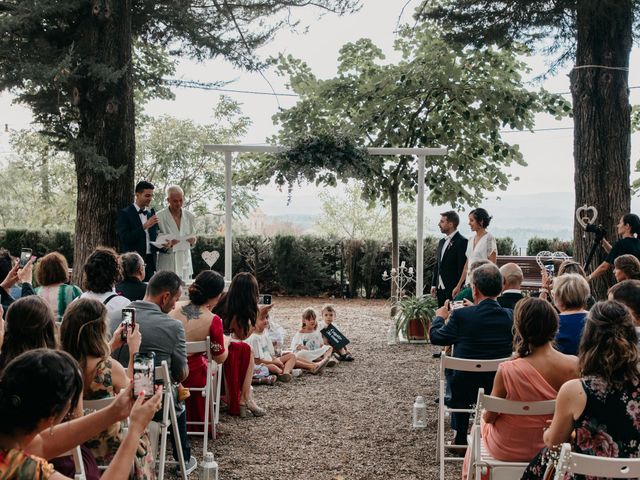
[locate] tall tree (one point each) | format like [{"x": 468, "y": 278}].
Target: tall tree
[
  {"x": 72, "y": 62},
  {"x": 436, "y": 95},
  {"x": 597, "y": 35}
]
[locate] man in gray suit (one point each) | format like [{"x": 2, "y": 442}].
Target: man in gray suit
[{"x": 165, "y": 337}]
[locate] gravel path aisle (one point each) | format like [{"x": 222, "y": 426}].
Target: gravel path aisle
[{"x": 353, "y": 422}]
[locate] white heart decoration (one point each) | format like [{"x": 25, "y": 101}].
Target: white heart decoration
[
  {"x": 586, "y": 215},
  {"x": 541, "y": 256},
  {"x": 210, "y": 258}
]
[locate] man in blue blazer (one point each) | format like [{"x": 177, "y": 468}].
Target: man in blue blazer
[
  {"x": 137, "y": 226},
  {"x": 481, "y": 331}
]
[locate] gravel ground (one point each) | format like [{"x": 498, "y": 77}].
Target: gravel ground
[{"x": 353, "y": 422}]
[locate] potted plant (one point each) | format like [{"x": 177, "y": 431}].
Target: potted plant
[{"x": 413, "y": 316}]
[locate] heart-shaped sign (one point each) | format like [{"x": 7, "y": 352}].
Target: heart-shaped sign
[
  {"x": 542, "y": 256},
  {"x": 210, "y": 258},
  {"x": 586, "y": 215}
]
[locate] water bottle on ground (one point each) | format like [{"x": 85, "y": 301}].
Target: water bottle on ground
[{"x": 419, "y": 413}]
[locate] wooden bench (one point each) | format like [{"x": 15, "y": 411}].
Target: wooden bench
[{"x": 530, "y": 269}]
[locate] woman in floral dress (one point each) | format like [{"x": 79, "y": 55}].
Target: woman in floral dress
[
  {"x": 84, "y": 335},
  {"x": 599, "y": 414}
]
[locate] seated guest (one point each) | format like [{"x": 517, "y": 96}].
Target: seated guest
[
  {"x": 628, "y": 293},
  {"x": 536, "y": 374},
  {"x": 164, "y": 336},
  {"x": 511, "y": 281},
  {"x": 30, "y": 324},
  {"x": 481, "y": 331},
  {"x": 84, "y": 335},
  {"x": 53, "y": 389},
  {"x": 132, "y": 285},
  {"x": 570, "y": 293},
  {"x": 601, "y": 407},
  {"x": 52, "y": 275},
  {"x": 101, "y": 273},
  {"x": 199, "y": 323},
  {"x": 465, "y": 293},
  {"x": 15, "y": 275},
  {"x": 6, "y": 264},
  {"x": 566, "y": 267},
  {"x": 239, "y": 312},
  {"x": 626, "y": 267}
]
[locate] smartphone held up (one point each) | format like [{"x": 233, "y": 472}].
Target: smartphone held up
[
  {"x": 128, "y": 322},
  {"x": 144, "y": 374},
  {"x": 25, "y": 256}
]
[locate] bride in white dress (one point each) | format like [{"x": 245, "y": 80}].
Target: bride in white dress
[{"x": 481, "y": 246}]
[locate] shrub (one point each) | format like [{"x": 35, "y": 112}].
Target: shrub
[{"x": 506, "y": 246}]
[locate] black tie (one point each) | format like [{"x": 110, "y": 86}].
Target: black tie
[{"x": 142, "y": 212}]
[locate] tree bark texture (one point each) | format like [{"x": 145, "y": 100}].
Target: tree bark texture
[
  {"x": 602, "y": 116},
  {"x": 107, "y": 123}
]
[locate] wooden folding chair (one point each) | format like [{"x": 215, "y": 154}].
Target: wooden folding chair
[
  {"x": 210, "y": 391},
  {"x": 601, "y": 467},
  {"x": 463, "y": 365},
  {"x": 480, "y": 460},
  {"x": 169, "y": 419}
]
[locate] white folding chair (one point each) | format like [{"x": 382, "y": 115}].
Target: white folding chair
[
  {"x": 78, "y": 464},
  {"x": 480, "y": 460},
  {"x": 169, "y": 419},
  {"x": 463, "y": 365},
  {"x": 601, "y": 467},
  {"x": 210, "y": 391}
]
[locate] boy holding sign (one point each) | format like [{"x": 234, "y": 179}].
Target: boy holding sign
[{"x": 334, "y": 337}]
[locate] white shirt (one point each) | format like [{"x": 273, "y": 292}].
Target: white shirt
[
  {"x": 143, "y": 220},
  {"x": 114, "y": 306},
  {"x": 445, "y": 245},
  {"x": 483, "y": 248},
  {"x": 261, "y": 345}
]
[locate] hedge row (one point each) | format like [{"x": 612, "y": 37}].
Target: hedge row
[{"x": 284, "y": 264}]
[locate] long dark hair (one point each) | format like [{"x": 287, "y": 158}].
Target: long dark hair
[
  {"x": 30, "y": 324},
  {"x": 633, "y": 221},
  {"x": 239, "y": 307},
  {"x": 84, "y": 330},
  {"x": 37, "y": 385},
  {"x": 609, "y": 345}
]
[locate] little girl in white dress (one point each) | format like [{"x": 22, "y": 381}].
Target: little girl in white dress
[{"x": 308, "y": 346}]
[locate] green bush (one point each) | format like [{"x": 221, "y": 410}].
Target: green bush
[
  {"x": 536, "y": 245},
  {"x": 40, "y": 241},
  {"x": 506, "y": 246}
]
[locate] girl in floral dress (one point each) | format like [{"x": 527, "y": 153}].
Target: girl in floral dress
[
  {"x": 599, "y": 414},
  {"x": 84, "y": 335}
]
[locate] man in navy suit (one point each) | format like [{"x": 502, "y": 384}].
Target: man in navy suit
[
  {"x": 450, "y": 258},
  {"x": 481, "y": 331},
  {"x": 137, "y": 226}
]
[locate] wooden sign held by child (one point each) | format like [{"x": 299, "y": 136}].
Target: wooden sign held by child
[{"x": 335, "y": 337}]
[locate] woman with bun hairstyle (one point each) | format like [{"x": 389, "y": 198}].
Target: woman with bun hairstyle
[
  {"x": 37, "y": 390},
  {"x": 628, "y": 229},
  {"x": 199, "y": 323},
  {"x": 481, "y": 246}
]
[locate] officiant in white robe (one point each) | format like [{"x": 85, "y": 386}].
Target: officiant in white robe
[{"x": 177, "y": 222}]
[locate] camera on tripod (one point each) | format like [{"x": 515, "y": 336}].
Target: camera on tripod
[{"x": 598, "y": 230}]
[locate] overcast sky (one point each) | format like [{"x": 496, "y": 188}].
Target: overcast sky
[{"x": 548, "y": 153}]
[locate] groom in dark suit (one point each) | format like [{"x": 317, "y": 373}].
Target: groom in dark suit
[
  {"x": 450, "y": 258},
  {"x": 481, "y": 331},
  {"x": 137, "y": 226}
]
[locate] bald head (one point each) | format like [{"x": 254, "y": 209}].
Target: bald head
[{"x": 511, "y": 276}]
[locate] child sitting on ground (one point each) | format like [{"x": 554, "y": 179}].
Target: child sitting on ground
[
  {"x": 328, "y": 316},
  {"x": 265, "y": 354},
  {"x": 308, "y": 347}
]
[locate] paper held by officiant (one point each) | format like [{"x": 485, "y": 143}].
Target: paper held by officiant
[{"x": 183, "y": 244}]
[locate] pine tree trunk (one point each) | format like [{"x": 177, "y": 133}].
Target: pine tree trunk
[
  {"x": 106, "y": 134},
  {"x": 602, "y": 121}
]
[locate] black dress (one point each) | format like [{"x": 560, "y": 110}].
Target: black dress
[{"x": 628, "y": 245}]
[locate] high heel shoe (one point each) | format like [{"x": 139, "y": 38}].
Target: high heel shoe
[{"x": 256, "y": 411}]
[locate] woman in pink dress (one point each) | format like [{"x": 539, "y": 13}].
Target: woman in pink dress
[
  {"x": 536, "y": 374},
  {"x": 199, "y": 323}
]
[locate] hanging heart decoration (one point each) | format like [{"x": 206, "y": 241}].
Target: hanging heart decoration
[
  {"x": 586, "y": 215},
  {"x": 210, "y": 258}
]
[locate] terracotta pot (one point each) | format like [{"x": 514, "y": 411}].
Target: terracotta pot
[{"x": 417, "y": 331}]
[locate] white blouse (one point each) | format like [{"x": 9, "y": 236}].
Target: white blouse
[{"x": 483, "y": 248}]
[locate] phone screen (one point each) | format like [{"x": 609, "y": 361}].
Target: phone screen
[
  {"x": 128, "y": 320},
  {"x": 25, "y": 255},
  {"x": 550, "y": 269},
  {"x": 265, "y": 299},
  {"x": 143, "y": 374}
]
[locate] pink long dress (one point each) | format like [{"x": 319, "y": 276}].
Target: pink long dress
[{"x": 517, "y": 438}]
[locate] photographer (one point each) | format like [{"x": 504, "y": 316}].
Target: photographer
[{"x": 628, "y": 228}]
